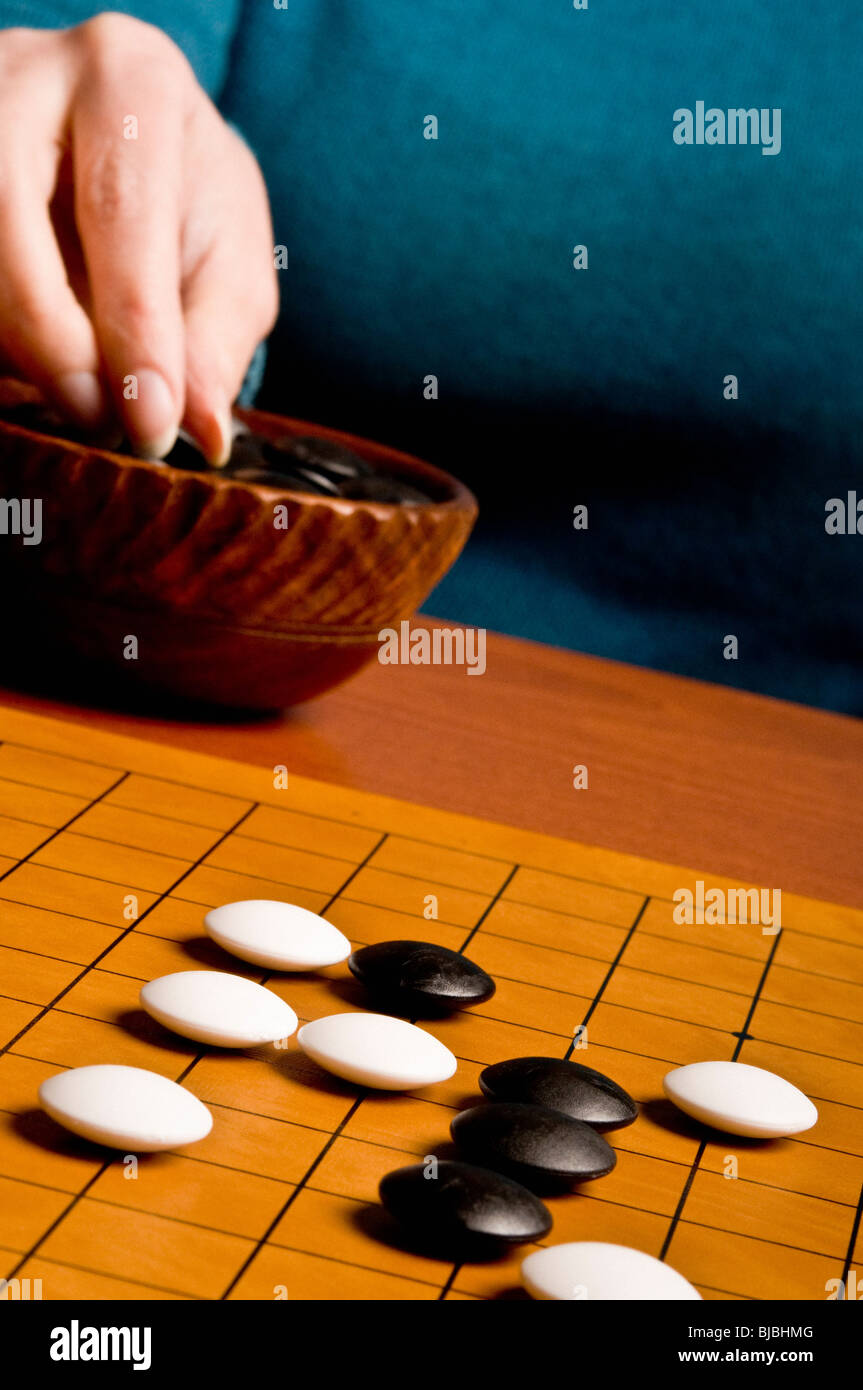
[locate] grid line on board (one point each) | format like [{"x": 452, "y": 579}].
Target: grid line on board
[
  {"x": 340, "y": 821},
  {"x": 270, "y": 973},
  {"x": 580, "y": 955},
  {"x": 696, "y": 1162},
  {"x": 124, "y": 932},
  {"x": 53, "y": 1003},
  {"x": 797, "y": 931},
  {"x": 591, "y": 1196},
  {"x": 578, "y": 1031},
  {"x": 852, "y": 1239},
  {"x": 518, "y": 902}
]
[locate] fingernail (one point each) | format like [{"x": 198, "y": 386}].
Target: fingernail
[
  {"x": 153, "y": 417},
  {"x": 215, "y": 437},
  {"x": 83, "y": 395},
  {"x": 219, "y": 455}
]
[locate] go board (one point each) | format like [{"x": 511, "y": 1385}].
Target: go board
[{"x": 280, "y": 1200}]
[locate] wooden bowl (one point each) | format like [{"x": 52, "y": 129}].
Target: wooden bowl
[{"x": 225, "y": 607}]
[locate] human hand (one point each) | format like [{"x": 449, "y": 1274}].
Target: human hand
[{"x": 136, "y": 249}]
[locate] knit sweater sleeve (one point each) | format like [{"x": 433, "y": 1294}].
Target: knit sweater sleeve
[{"x": 203, "y": 29}]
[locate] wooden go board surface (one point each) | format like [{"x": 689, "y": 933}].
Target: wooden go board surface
[{"x": 280, "y": 1199}]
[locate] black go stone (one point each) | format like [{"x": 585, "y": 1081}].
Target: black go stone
[
  {"x": 574, "y": 1090},
  {"x": 184, "y": 455},
  {"x": 458, "y": 1209},
  {"x": 383, "y": 487},
  {"x": 541, "y": 1148},
  {"x": 320, "y": 455},
  {"x": 330, "y": 469},
  {"x": 417, "y": 978},
  {"x": 298, "y": 463}
]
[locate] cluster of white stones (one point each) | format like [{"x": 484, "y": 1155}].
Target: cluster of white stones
[{"x": 132, "y": 1108}]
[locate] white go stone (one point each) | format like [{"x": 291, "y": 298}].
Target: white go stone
[
  {"x": 740, "y": 1099},
  {"x": 591, "y": 1270},
  {"x": 213, "y": 1007},
  {"x": 125, "y": 1108},
  {"x": 377, "y": 1050},
  {"x": 278, "y": 935}
]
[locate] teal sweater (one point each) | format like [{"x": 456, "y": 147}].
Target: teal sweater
[{"x": 603, "y": 386}]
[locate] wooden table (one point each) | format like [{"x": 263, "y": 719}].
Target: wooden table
[
  {"x": 112, "y": 849},
  {"x": 679, "y": 771}
]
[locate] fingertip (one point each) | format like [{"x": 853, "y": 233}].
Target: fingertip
[
  {"x": 222, "y": 438},
  {"x": 81, "y": 395},
  {"x": 151, "y": 413},
  {"x": 212, "y": 430}
]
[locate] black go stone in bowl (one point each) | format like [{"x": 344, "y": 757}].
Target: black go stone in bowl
[
  {"x": 304, "y": 463},
  {"x": 300, "y": 463}
]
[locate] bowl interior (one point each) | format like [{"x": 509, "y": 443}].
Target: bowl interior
[{"x": 441, "y": 487}]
